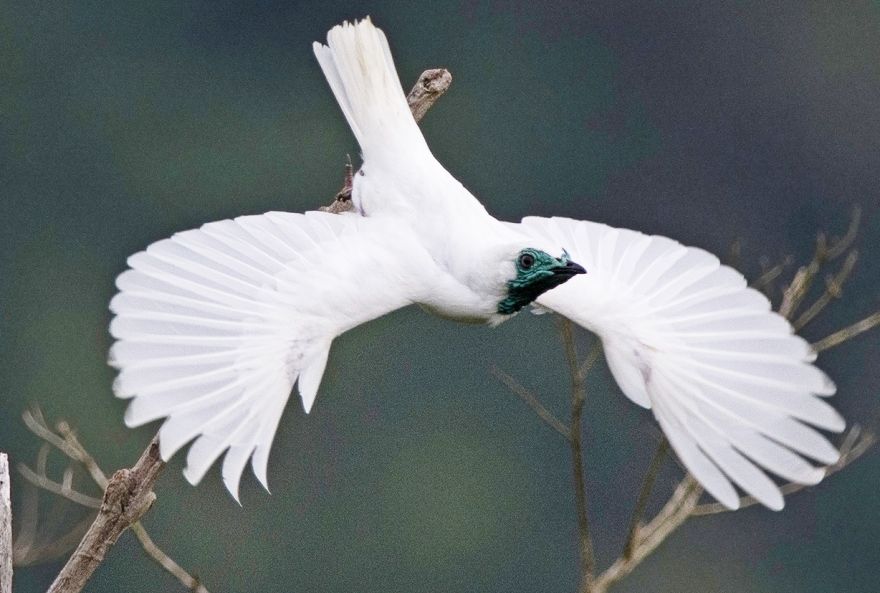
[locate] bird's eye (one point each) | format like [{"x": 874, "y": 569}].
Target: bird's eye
[{"x": 526, "y": 261}]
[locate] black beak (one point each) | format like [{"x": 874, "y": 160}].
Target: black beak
[{"x": 568, "y": 270}]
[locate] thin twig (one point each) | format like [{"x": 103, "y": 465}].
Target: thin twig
[
  {"x": 26, "y": 539},
  {"x": 28, "y": 553},
  {"x": 734, "y": 254},
  {"x": 165, "y": 561},
  {"x": 529, "y": 398},
  {"x": 673, "y": 514},
  {"x": 578, "y": 397},
  {"x": 42, "y": 481},
  {"x": 33, "y": 419},
  {"x": 855, "y": 444},
  {"x": 847, "y": 333},
  {"x": 769, "y": 275},
  {"x": 833, "y": 290},
  {"x": 590, "y": 361},
  {"x": 66, "y": 441},
  {"x": 82, "y": 456},
  {"x": 635, "y": 521},
  {"x": 843, "y": 243},
  {"x": 800, "y": 286}
]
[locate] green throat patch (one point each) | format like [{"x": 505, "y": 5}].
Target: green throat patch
[{"x": 536, "y": 273}]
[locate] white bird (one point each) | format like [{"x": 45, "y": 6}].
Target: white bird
[{"x": 214, "y": 326}]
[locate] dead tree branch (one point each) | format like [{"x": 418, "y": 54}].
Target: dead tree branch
[
  {"x": 129, "y": 494},
  {"x": 5, "y": 527},
  {"x": 847, "y": 333},
  {"x": 674, "y": 513},
  {"x": 533, "y": 402},
  {"x": 833, "y": 290},
  {"x": 578, "y": 372},
  {"x": 824, "y": 253},
  {"x": 165, "y": 561},
  {"x": 65, "y": 440},
  {"x": 635, "y": 522},
  {"x": 41, "y": 480}
]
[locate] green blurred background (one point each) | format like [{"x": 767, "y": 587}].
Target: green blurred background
[{"x": 123, "y": 122}]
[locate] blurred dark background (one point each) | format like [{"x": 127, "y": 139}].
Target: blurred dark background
[{"x": 123, "y": 122}]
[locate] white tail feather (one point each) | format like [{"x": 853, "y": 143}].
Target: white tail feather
[{"x": 358, "y": 66}]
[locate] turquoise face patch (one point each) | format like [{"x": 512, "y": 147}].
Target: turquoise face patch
[{"x": 536, "y": 273}]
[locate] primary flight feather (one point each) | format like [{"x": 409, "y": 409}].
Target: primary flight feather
[{"x": 215, "y": 326}]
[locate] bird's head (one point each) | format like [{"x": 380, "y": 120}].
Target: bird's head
[{"x": 536, "y": 272}]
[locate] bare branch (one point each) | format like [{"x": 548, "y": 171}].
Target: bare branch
[
  {"x": 33, "y": 419},
  {"x": 578, "y": 397},
  {"x": 28, "y": 553},
  {"x": 800, "y": 286},
  {"x": 128, "y": 496},
  {"x": 31, "y": 547},
  {"x": 769, "y": 275},
  {"x": 855, "y": 444},
  {"x": 635, "y": 521},
  {"x": 842, "y": 244},
  {"x": 847, "y": 333},
  {"x": 428, "y": 88},
  {"x": 590, "y": 361},
  {"x": 165, "y": 561},
  {"x": 529, "y": 398},
  {"x": 5, "y": 527},
  {"x": 81, "y": 455},
  {"x": 734, "y": 254},
  {"x": 27, "y": 528},
  {"x": 833, "y": 290},
  {"x": 673, "y": 514},
  {"x": 41, "y": 480}
]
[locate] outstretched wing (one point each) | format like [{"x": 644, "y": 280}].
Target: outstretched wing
[
  {"x": 729, "y": 383},
  {"x": 215, "y": 325}
]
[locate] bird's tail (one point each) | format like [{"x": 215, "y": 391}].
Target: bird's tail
[{"x": 358, "y": 66}]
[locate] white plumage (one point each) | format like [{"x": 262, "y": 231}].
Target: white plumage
[
  {"x": 215, "y": 326},
  {"x": 726, "y": 378}
]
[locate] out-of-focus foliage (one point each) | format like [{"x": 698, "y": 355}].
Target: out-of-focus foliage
[{"x": 123, "y": 122}]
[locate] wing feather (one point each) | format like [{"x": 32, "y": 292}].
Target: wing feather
[
  {"x": 215, "y": 325},
  {"x": 729, "y": 383}
]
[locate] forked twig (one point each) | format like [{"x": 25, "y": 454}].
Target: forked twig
[
  {"x": 635, "y": 522},
  {"x": 578, "y": 375},
  {"x": 842, "y": 335},
  {"x": 833, "y": 290},
  {"x": 800, "y": 286},
  {"x": 43, "y": 481},
  {"x": 674, "y": 513},
  {"x": 532, "y": 401},
  {"x": 65, "y": 440}
]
